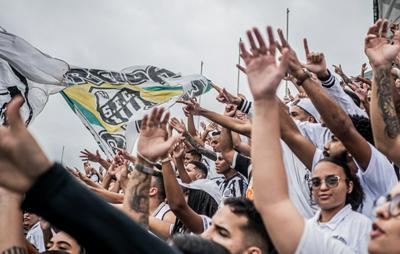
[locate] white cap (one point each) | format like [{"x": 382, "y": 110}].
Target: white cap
[
  {"x": 308, "y": 106},
  {"x": 206, "y": 185}
]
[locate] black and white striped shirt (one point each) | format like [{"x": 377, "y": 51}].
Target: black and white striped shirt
[{"x": 235, "y": 186}]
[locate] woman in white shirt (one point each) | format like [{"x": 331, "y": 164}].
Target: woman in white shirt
[{"x": 339, "y": 194}]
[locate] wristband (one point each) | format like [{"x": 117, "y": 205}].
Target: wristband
[{"x": 143, "y": 169}]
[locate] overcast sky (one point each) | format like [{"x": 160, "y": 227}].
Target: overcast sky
[{"x": 173, "y": 34}]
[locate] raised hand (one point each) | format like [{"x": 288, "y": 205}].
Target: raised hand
[
  {"x": 153, "y": 139},
  {"x": 179, "y": 150},
  {"x": 338, "y": 69},
  {"x": 230, "y": 110},
  {"x": 263, "y": 71},
  {"x": 22, "y": 160},
  {"x": 379, "y": 49},
  {"x": 86, "y": 155},
  {"x": 226, "y": 97},
  {"x": 295, "y": 67},
  {"x": 315, "y": 61},
  {"x": 124, "y": 153},
  {"x": 179, "y": 126},
  {"x": 192, "y": 106}
]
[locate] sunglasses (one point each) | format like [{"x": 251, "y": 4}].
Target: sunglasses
[
  {"x": 394, "y": 204},
  {"x": 331, "y": 181}
]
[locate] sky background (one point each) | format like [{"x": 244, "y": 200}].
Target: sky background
[{"x": 176, "y": 35}]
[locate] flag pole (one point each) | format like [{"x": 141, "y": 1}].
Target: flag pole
[
  {"x": 62, "y": 155},
  {"x": 201, "y": 73},
  {"x": 238, "y": 71},
  {"x": 287, "y": 38}
]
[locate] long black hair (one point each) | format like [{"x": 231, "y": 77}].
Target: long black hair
[
  {"x": 354, "y": 198},
  {"x": 202, "y": 203}
]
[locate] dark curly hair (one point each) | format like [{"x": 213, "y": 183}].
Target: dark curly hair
[
  {"x": 363, "y": 126},
  {"x": 356, "y": 197}
]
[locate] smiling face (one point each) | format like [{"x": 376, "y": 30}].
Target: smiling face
[
  {"x": 385, "y": 233},
  {"x": 327, "y": 196},
  {"x": 226, "y": 229}
]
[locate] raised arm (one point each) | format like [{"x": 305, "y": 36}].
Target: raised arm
[
  {"x": 284, "y": 223},
  {"x": 236, "y": 125},
  {"x": 225, "y": 140},
  {"x": 11, "y": 235},
  {"x": 385, "y": 123},
  {"x": 334, "y": 116},
  {"x": 87, "y": 155},
  {"x": 291, "y": 135}
]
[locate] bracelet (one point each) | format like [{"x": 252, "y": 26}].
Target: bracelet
[
  {"x": 143, "y": 169},
  {"x": 145, "y": 159},
  {"x": 166, "y": 160}
]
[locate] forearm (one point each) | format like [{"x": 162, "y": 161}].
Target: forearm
[
  {"x": 10, "y": 222},
  {"x": 104, "y": 163},
  {"x": 136, "y": 199},
  {"x": 109, "y": 196},
  {"x": 291, "y": 135},
  {"x": 385, "y": 123},
  {"x": 334, "y": 116},
  {"x": 240, "y": 146},
  {"x": 191, "y": 128},
  {"x": 181, "y": 170},
  {"x": 266, "y": 127},
  {"x": 173, "y": 191},
  {"x": 56, "y": 195},
  {"x": 225, "y": 141},
  {"x": 209, "y": 154},
  {"x": 233, "y": 124},
  {"x": 106, "y": 181}
]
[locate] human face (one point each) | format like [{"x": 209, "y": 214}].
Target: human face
[
  {"x": 63, "y": 242},
  {"x": 385, "y": 233},
  {"x": 215, "y": 143},
  {"x": 330, "y": 197},
  {"x": 193, "y": 172},
  {"x": 334, "y": 147},
  {"x": 221, "y": 165},
  {"x": 30, "y": 219},
  {"x": 298, "y": 113},
  {"x": 226, "y": 229}
]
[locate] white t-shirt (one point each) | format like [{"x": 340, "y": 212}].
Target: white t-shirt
[
  {"x": 315, "y": 133},
  {"x": 35, "y": 237},
  {"x": 297, "y": 177},
  {"x": 314, "y": 240},
  {"x": 162, "y": 209},
  {"x": 350, "y": 227},
  {"x": 377, "y": 179}
]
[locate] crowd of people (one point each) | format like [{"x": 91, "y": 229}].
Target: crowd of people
[{"x": 312, "y": 173}]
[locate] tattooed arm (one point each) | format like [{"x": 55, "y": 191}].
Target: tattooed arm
[
  {"x": 385, "y": 123},
  {"x": 203, "y": 151},
  {"x": 136, "y": 199}
]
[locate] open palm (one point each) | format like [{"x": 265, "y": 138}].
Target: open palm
[
  {"x": 153, "y": 142},
  {"x": 263, "y": 71},
  {"x": 379, "y": 50}
]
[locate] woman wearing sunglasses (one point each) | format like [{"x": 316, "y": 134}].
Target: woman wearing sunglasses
[{"x": 339, "y": 194}]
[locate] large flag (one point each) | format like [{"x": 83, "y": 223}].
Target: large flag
[
  {"x": 26, "y": 71},
  {"x": 103, "y": 100},
  {"x": 106, "y": 101}
]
